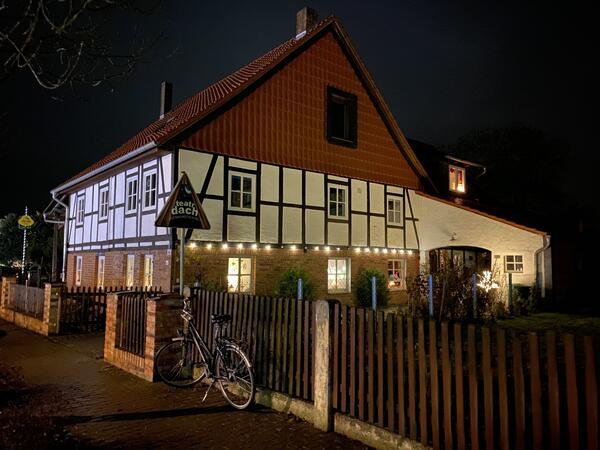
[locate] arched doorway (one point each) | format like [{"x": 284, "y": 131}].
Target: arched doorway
[{"x": 472, "y": 258}]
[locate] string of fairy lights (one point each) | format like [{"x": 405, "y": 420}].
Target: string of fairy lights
[{"x": 305, "y": 248}]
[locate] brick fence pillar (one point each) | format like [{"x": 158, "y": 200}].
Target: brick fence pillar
[
  {"x": 5, "y": 289},
  {"x": 110, "y": 330},
  {"x": 323, "y": 418},
  {"x": 52, "y": 299},
  {"x": 163, "y": 319}
]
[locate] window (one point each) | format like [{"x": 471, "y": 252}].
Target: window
[
  {"x": 129, "y": 274},
  {"x": 103, "y": 206},
  {"x": 513, "y": 263},
  {"x": 132, "y": 192},
  {"x": 457, "y": 179},
  {"x": 338, "y": 275},
  {"x": 101, "y": 265},
  {"x": 80, "y": 209},
  {"x": 337, "y": 201},
  {"x": 150, "y": 190},
  {"x": 241, "y": 188},
  {"x": 239, "y": 275},
  {"x": 78, "y": 270},
  {"x": 148, "y": 270},
  {"x": 341, "y": 117},
  {"x": 394, "y": 210},
  {"x": 397, "y": 274}
]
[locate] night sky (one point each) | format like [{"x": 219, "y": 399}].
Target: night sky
[{"x": 444, "y": 68}]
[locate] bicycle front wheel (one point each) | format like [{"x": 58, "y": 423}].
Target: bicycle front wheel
[
  {"x": 235, "y": 377},
  {"x": 180, "y": 364}
]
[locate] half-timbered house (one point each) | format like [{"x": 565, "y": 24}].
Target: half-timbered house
[{"x": 298, "y": 162}]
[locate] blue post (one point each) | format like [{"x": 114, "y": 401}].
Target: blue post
[
  {"x": 300, "y": 290},
  {"x": 374, "y": 293},
  {"x": 430, "y": 293},
  {"x": 474, "y": 290},
  {"x": 510, "y": 292}
]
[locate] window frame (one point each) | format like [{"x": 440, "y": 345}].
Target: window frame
[
  {"x": 130, "y": 270},
  {"x": 239, "y": 275},
  {"x": 403, "y": 264},
  {"x": 252, "y": 192},
  {"x": 338, "y": 187},
  {"x": 514, "y": 263},
  {"x": 152, "y": 174},
  {"x": 348, "y": 287},
  {"x": 148, "y": 274},
  {"x": 351, "y": 108},
  {"x": 457, "y": 170},
  {"x": 80, "y": 211},
  {"x": 78, "y": 270},
  {"x": 100, "y": 273},
  {"x": 129, "y": 195},
  {"x": 103, "y": 205},
  {"x": 394, "y": 198}
]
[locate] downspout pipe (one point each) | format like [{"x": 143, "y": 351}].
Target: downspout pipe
[{"x": 542, "y": 249}]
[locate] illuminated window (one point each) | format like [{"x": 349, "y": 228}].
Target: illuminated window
[
  {"x": 394, "y": 210},
  {"x": 150, "y": 190},
  {"x": 103, "y": 206},
  {"x": 341, "y": 117},
  {"x": 239, "y": 275},
  {"x": 338, "y": 275},
  {"x": 129, "y": 274},
  {"x": 132, "y": 193},
  {"x": 457, "y": 179},
  {"x": 80, "y": 209},
  {"x": 78, "y": 270},
  {"x": 148, "y": 270},
  {"x": 513, "y": 263},
  {"x": 101, "y": 265},
  {"x": 241, "y": 192},
  {"x": 337, "y": 201},
  {"x": 397, "y": 274}
]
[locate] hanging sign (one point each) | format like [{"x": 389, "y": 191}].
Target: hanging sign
[
  {"x": 25, "y": 221},
  {"x": 183, "y": 208}
]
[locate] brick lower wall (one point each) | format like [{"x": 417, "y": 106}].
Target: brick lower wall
[
  {"x": 116, "y": 267},
  {"x": 269, "y": 265}
]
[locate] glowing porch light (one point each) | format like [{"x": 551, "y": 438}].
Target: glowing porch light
[
  {"x": 209, "y": 246},
  {"x": 268, "y": 247},
  {"x": 385, "y": 250},
  {"x": 338, "y": 249},
  {"x": 224, "y": 245},
  {"x": 293, "y": 247},
  {"x": 394, "y": 251},
  {"x": 367, "y": 250},
  {"x": 409, "y": 252},
  {"x": 254, "y": 246},
  {"x": 357, "y": 249},
  {"x": 240, "y": 246},
  {"x": 327, "y": 248},
  {"x": 376, "y": 250},
  {"x": 317, "y": 248},
  {"x": 192, "y": 245},
  {"x": 402, "y": 251}
]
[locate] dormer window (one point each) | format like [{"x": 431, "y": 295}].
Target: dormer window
[
  {"x": 457, "y": 179},
  {"x": 341, "y": 117}
]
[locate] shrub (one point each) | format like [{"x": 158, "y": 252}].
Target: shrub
[
  {"x": 288, "y": 284},
  {"x": 525, "y": 300},
  {"x": 363, "y": 287}
]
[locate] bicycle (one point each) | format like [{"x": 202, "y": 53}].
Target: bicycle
[{"x": 187, "y": 360}]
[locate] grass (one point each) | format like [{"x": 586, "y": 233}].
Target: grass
[{"x": 552, "y": 321}]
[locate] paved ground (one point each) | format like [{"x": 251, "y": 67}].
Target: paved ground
[{"x": 115, "y": 409}]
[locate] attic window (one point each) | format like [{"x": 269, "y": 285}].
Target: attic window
[
  {"x": 341, "y": 117},
  {"x": 457, "y": 179}
]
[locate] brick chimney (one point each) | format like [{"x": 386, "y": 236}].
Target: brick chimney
[
  {"x": 166, "y": 98},
  {"x": 306, "y": 19}
]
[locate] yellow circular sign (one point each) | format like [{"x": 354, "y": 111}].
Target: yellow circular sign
[{"x": 26, "y": 221}]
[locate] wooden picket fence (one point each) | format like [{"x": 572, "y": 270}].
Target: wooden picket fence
[
  {"x": 465, "y": 387},
  {"x": 278, "y": 333},
  {"x": 25, "y": 299},
  {"x": 131, "y": 320}
]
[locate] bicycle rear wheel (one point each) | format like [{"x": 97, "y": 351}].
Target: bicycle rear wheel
[
  {"x": 235, "y": 377},
  {"x": 180, "y": 364}
]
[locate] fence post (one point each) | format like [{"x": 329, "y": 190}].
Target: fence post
[
  {"x": 323, "y": 419},
  {"x": 52, "y": 298},
  {"x": 374, "y": 293},
  {"x": 430, "y": 294},
  {"x": 300, "y": 289},
  {"x": 474, "y": 289}
]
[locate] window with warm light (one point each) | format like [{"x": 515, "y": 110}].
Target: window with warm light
[
  {"x": 513, "y": 263},
  {"x": 239, "y": 275},
  {"x": 78, "y": 270},
  {"x": 129, "y": 274},
  {"x": 101, "y": 266},
  {"x": 148, "y": 270},
  {"x": 397, "y": 274},
  {"x": 337, "y": 201},
  {"x": 241, "y": 191},
  {"x": 394, "y": 210},
  {"x": 457, "y": 179},
  {"x": 338, "y": 275}
]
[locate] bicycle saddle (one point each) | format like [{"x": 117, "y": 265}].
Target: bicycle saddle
[{"x": 220, "y": 318}]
